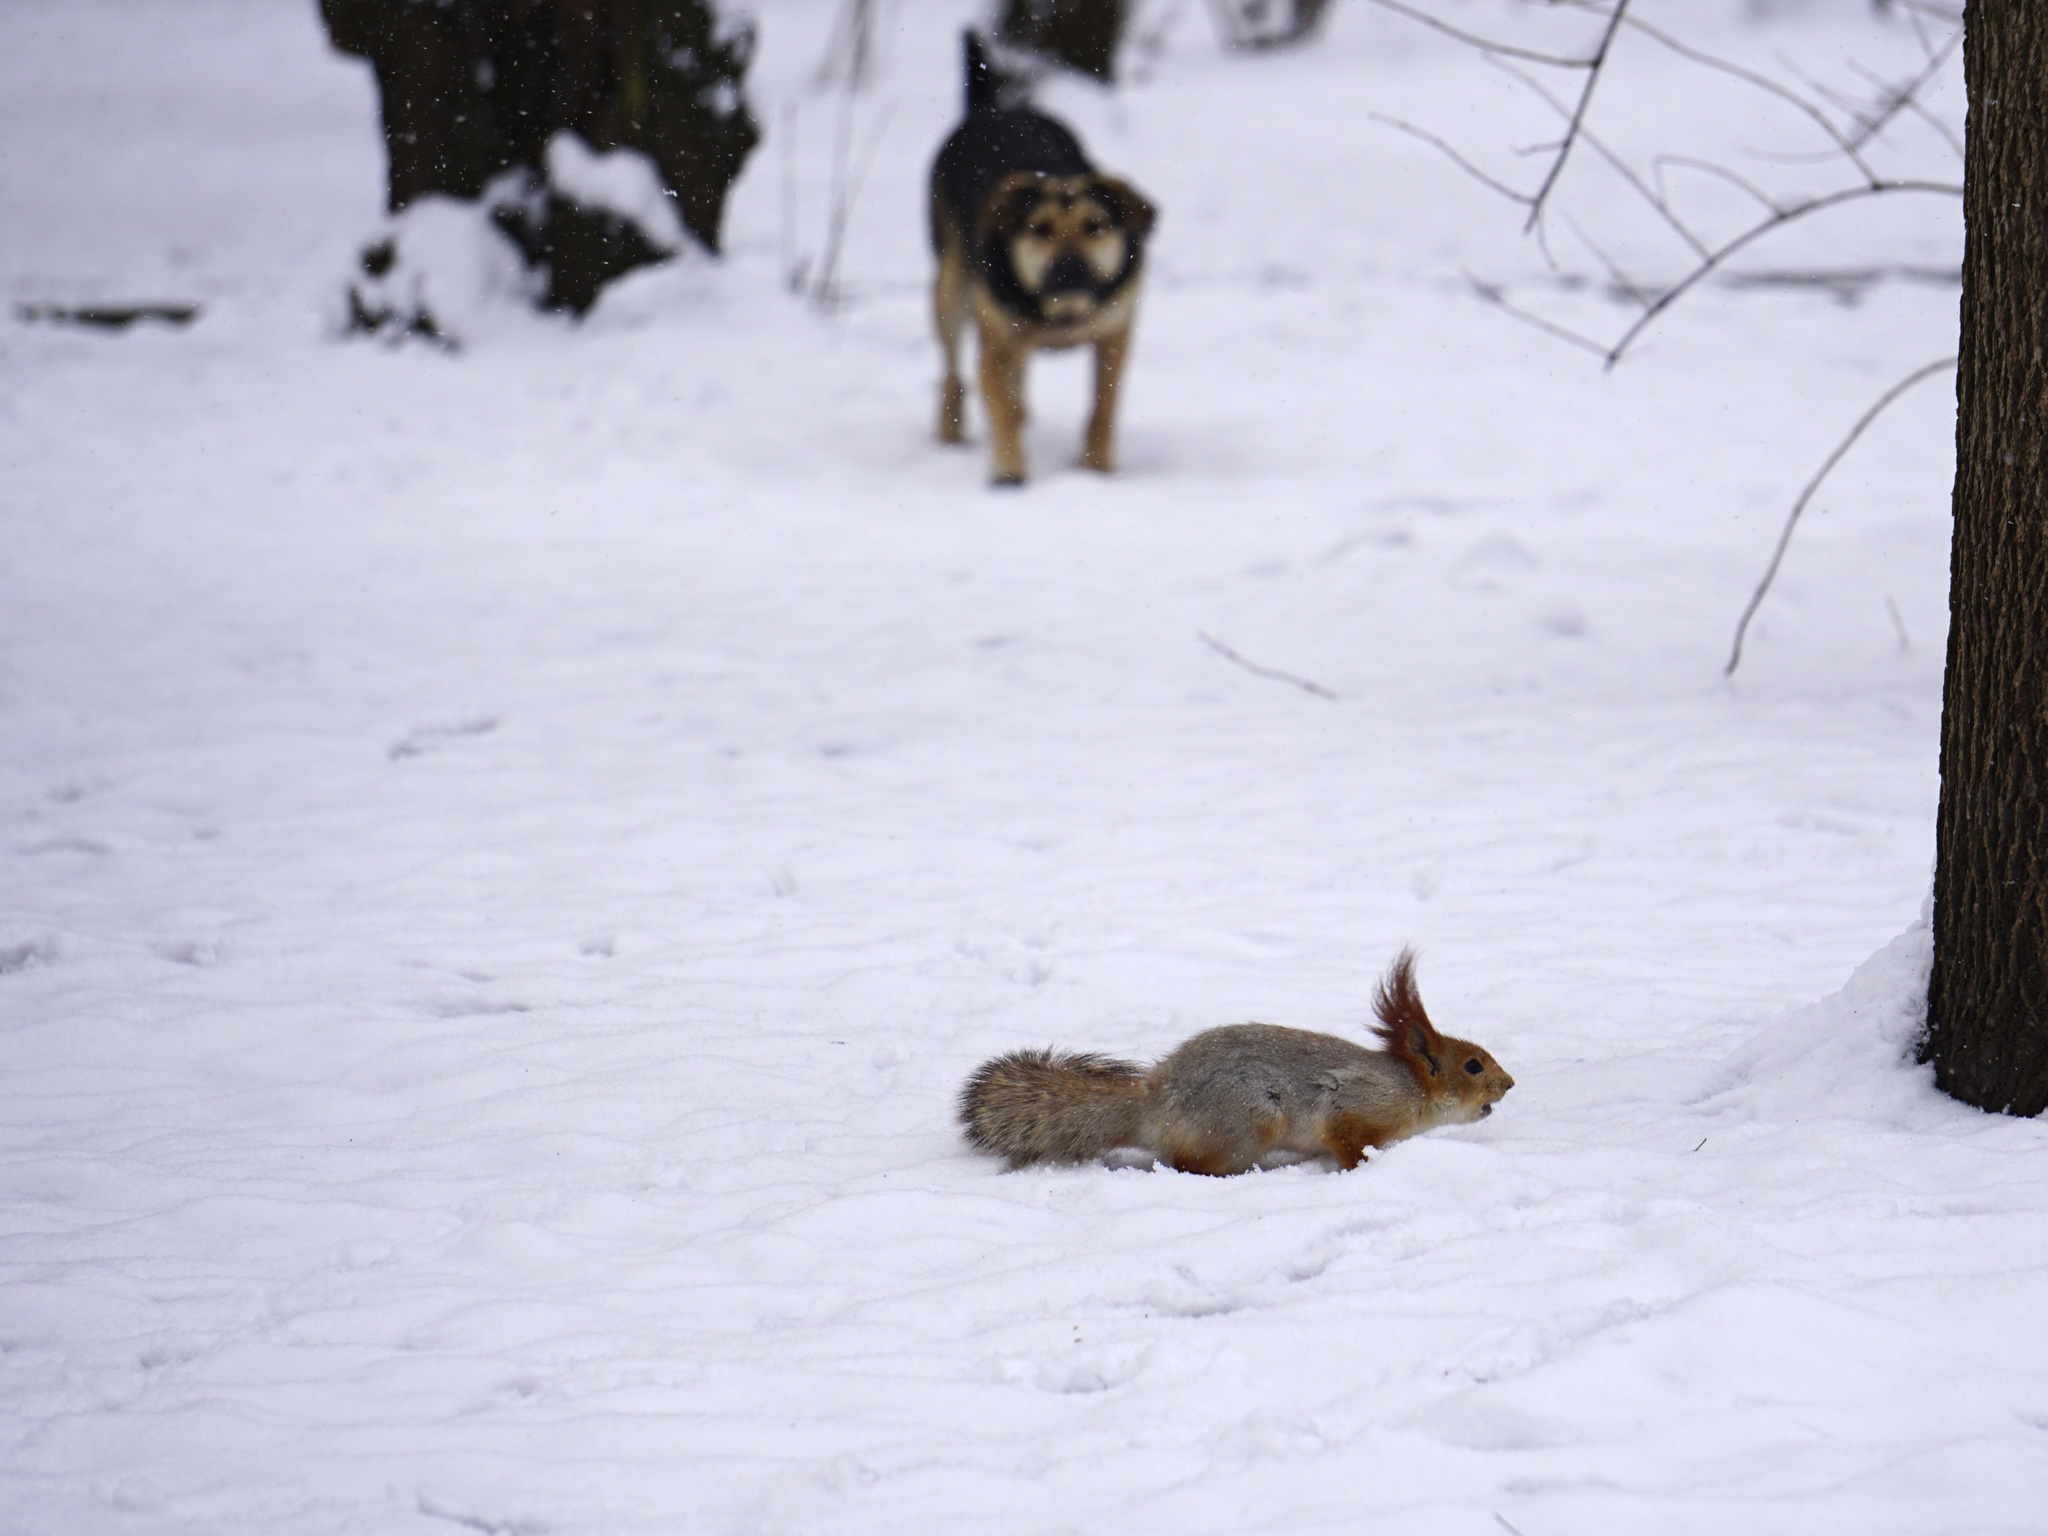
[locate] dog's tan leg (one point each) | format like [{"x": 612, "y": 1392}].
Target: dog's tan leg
[
  {"x": 951, "y": 310},
  {"x": 1002, "y": 391},
  {"x": 1099, "y": 452}
]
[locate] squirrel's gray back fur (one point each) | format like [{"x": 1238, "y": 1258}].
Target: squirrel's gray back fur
[{"x": 1265, "y": 1087}]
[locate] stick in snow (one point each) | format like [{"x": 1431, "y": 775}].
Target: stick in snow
[{"x": 1258, "y": 671}]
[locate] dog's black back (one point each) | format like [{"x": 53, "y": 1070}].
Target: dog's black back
[{"x": 995, "y": 140}]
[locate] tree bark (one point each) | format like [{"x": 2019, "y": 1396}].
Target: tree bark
[
  {"x": 1987, "y": 1006},
  {"x": 471, "y": 88}
]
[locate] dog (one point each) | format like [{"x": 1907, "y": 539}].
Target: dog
[{"x": 1038, "y": 249}]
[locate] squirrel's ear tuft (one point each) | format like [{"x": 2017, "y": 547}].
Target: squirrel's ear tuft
[{"x": 1403, "y": 1024}]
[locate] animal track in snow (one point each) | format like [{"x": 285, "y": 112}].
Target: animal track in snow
[{"x": 19, "y": 957}]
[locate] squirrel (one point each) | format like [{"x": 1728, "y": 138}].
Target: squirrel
[{"x": 1229, "y": 1096}]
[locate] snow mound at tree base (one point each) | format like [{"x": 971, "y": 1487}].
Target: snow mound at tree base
[
  {"x": 443, "y": 267},
  {"x": 1849, "y": 1056}
]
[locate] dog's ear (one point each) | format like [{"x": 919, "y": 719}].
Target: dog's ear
[
  {"x": 1008, "y": 204},
  {"x": 1126, "y": 204}
]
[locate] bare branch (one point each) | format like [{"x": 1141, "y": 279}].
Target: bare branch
[
  {"x": 1868, "y": 120},
  {"x": 1941, "y": 13},
  {"x": 1756, "y": 232},
  {"x": 1578, "y": 116},
  {"x": 1898, "y": 98},
  {"x": 1799, "y": 506},
  {"x": 1762, "y": 83},
  {"x": 1623, "y": 283},
  {"x": 1492, "y": 294},
  {"x": 1452, "y": 155},
  {"x": 1614, "y": 162},
  {"x": 1710, "y": 258},
  {"x": 1273, "y": 673},
  {"x": 1711, "y": 168},
  {"x": 1484, "y": 45},
  {"x": 1908, "y": 100},
  {"x": 1892, "y": 98},
  {"x": 1920, "y": 29}
]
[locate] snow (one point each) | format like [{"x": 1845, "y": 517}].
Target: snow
[
  {"x": 623, "y": 181},
  {"x": 508, "y": 856},
  {"x": 447, "y": 272}
]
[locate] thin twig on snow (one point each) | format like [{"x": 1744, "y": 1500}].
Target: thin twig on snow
[
  {"x": 1272, "y": 673},
  {"x": 1799, "y": 506}
]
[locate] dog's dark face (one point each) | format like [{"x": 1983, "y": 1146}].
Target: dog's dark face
[{"x": 1060, "y": 247}]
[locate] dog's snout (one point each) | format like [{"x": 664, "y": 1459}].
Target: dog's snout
[{"x": 1068, "y": 272}]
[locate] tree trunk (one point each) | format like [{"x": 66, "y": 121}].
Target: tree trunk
[
  {"x": 1081, "y": 34},
  {"x": 471, "y": 88},
  {"x": 1987, "y": 1006}
]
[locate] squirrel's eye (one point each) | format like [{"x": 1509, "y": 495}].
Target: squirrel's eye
[
  {"x": 1042, "y": 230},
  {"x": 1472, "y": 1066}
]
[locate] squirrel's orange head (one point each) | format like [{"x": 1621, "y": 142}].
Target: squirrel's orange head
[{"x": 1461, "y": 1081}]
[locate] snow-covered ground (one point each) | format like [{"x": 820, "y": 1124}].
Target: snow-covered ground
[{"x": 506, "y": 858}]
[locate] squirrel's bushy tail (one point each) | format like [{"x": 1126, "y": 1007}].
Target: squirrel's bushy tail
[{"x": 1052, "y": 1106}]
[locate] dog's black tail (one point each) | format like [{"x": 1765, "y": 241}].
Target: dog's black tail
[{"x": 986, "y": 85}]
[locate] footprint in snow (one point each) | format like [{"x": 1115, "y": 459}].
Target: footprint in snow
[
  {"x": 19, "y": 957},
  {"x": 1491, "y": 562}
]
